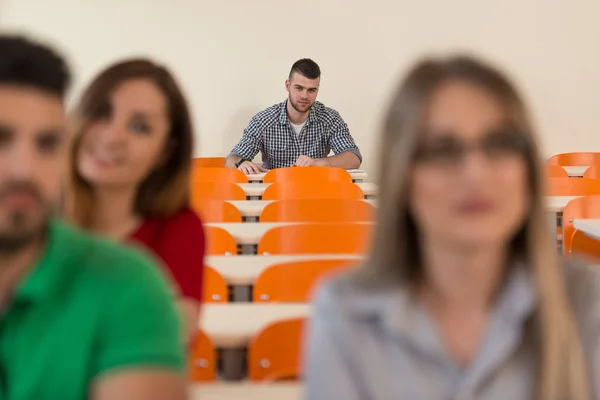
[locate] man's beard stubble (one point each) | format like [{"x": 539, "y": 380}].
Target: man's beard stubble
[
  {"x": 13, "y": 242},
  {"x": 20, "y": 231},
  {"x": 295, "y": 106}
]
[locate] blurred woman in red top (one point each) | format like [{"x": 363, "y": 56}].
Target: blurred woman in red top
[{"x": 130, "y": 170}]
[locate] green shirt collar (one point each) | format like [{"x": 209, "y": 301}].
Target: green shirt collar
[{"x": 47, "y": 276}]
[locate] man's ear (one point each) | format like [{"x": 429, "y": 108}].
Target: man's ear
[{"x": 287, "y": 85}]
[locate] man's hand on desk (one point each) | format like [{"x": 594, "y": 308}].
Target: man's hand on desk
[
  {"x": 249, "y": 167},
  {"x": 306, "y": 161}
]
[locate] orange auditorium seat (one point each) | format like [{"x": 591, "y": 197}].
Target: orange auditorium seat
[
  {"x": 231, "y": 175},
  {"x": 581, "y": 207},
  {"x": 556, "y": 171},
  {"x": 340, "y": 238},
  {"x": 575, "y": 159},
  {"x": 572, "y": 187},
  {"x": 217, "y": 191},
  {"x": 294, "y": 281},
  {"x": 214, "y": 288},
  {"x": 313, "y": 190},
  {"x": 210, "y": 162},
  {"x": 216, "y": 210},
  {"x": 219, "y": 242},
  {"x": 585, "y": 247},
  {"x": 274, "y": 354},
  {"x": 202, "y": 359},
  {"x": 318, "y": 210},
  {"x": 307, "y": 173},
  {"x": 592, "y": 172}
]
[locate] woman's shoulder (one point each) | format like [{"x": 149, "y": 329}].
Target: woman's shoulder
[
  {"x": 583, "y": 286},
  {"x": 173, "y": 228},
  {"x": 184, "y": 221},
  {"x": 346, "y": 295},
  {"x": 184, "y": 216}
]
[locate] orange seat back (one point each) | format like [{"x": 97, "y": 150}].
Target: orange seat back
[
  {"x": 209, "y": 162},
  {"x": 216, "y": 210},
  {"x": 307, "y": 173},
  {"x": 274, "y": 353},
  {"x": 581, "y": 207},
  {"x": 219, "y": 242},
  {"x": 318, "y": 210},
  {"x": 573, "y": 187},
  {"x": 575, "y": 159},
  {"x": 214, "y": 287},
  {"x": 592, "y": 172},
  {"x": 202, "y": 359},
  {"x": 342, "y": 238},
  {"x": 218, "y": 175},
  {"x": 585, "y": 247},
  {"x": 313, "y": 190},
  {"x": 217, "y": 191},
  {"x": 556, "y": 171},
  {"x": 294, "y": 282}
]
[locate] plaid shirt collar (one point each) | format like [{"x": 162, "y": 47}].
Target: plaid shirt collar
[{"x": 313, "y": 115}]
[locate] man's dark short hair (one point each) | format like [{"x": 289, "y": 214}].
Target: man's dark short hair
[
  {"x": 27, "y": 63},
  {"x": 307, "y": 68}
]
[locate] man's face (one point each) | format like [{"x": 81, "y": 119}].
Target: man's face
[
  {"x": 303, "y": 91},
  {"x": 32, "y": 153}
]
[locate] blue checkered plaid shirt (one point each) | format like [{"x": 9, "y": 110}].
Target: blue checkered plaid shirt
[{"x": 270, "y": 133}]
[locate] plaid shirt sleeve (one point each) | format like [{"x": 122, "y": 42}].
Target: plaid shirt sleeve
[
  {"x": 249, "y": 146},
  {"x": 341, "y": 140}
]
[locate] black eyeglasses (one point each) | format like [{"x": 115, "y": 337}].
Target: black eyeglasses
[{"x": 495, "y": 145}]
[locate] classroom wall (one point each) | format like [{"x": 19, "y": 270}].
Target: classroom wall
[{"x": 233, "y": 56}]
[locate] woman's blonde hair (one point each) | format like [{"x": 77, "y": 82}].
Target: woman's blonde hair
[
  {"x": 166, "y": 190},
  {"x": 395, "y": 258}
]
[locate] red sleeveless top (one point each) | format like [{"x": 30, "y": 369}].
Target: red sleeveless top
[{"x": 178, "y": 241}]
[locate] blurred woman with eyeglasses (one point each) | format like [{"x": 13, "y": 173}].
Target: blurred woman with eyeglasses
[{"x": 463, "y": 295}]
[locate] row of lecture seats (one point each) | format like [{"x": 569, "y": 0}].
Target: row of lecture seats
[
  {"x": 556, "y": 171},
  {"x": 572, "y": 186},
  {"x": 279, "y": 191},
  {"x": 576, "y": 242},
  {"x": 582, "y": 159},
  {"x": 287, "y": 282},
  {"x": 273, "y": 354},
  {"x": 306, "y": 238},
  {"x": 202, "y": 174},
  {"x": 296, "y": 210}
]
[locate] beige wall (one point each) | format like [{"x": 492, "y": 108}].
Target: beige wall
[{"x": 232, "y": 56}]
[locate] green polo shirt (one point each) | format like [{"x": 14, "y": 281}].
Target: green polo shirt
[{"x": 89, "y": 307}]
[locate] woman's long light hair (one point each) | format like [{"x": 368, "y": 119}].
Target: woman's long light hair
[{"x": 395, "y": 255}]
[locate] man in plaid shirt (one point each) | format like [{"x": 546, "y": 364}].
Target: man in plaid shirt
[{"x": 300, "y": 131}]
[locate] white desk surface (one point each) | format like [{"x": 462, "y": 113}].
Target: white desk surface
[
  {"x": 591, "y": 227},
  {"x": 575, "y": 172},
  {"x": 233, "y": 325},
  {"x": 257, "y": 189},
  {"x": 246, "y": 233},
  {"x": 356, "y": 174},
  {"x": 253, "y": 208},
  {"x": 557, "y": 203},
  {"x": 246, "y": 391},
  {"x": 244, "y": 269}
]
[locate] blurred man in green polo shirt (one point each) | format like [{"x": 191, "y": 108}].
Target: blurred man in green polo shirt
[{"x": 80, "y": 317}]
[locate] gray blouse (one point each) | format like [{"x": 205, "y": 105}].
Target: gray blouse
[{"x": 383, "y": 346}]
